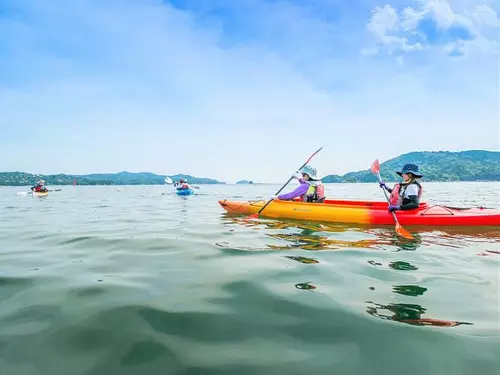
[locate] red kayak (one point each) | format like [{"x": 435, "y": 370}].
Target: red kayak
[{"x": 367, "y": 212}]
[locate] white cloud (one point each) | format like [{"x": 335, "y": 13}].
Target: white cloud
[
  {"x": 486, "y": 15},
  {"x": 430, "y": 23}
]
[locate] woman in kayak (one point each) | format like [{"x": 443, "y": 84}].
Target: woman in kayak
[
  {"x": 311, "y": 188},
  {"x": 405, "y": 195},
  {"x": 39, "y": 187}
]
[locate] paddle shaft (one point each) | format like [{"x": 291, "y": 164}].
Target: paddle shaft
[
  {"x": 290, "y": 179},
  {"x": 387, "y": 198}
]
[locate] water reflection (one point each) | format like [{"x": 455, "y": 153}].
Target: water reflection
[
  {"x": 318, "y": 242},
  {"x": 305, "y": 286},
  {"x": 409, "y": 290},
  {"x": 321, "y": 236},
  {"x": 402, "y": 266},
  {"x": 488, "y": 253},
  {"x": 409, "y": 314},
  {"x": 397, "y": 265},
  {"x": 301, "y": 259}
]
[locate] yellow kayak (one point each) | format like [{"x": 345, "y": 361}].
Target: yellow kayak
[{"x": 40, "y": 193}]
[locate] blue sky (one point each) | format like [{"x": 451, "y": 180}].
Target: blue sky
[{"x": 239, "y": 89}]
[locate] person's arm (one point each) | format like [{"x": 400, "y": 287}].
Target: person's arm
[
  {"x": 301, "y": 190},
  {"x": 412, "y": 202}
]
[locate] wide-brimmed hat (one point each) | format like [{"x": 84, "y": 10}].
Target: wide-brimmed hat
[
  {"x": 410, "y": 168},
  {"x": 311, "y": 172}
]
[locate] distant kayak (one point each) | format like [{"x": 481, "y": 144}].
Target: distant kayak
[
  {"x": 366, "y": 212},
  {"x": 40, "y": 193},
  {"x": 184, "y": 192}
]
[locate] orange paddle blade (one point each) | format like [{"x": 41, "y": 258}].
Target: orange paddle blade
[
  {"x": 403, "y": 232},
  {"x": 375, "y": 167}
]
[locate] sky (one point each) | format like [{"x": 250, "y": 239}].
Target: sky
[{"x": 243, "y": 89}]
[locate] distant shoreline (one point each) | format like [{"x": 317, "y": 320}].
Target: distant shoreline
[{"x": 435, "y": 166}]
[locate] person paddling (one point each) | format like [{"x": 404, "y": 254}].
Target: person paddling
[
  {"x": 311, "y": 188},
  {"x": 182, "y": 184},
  {"x": 405, "y": 195},
  {"x": 39, "y": 187}
]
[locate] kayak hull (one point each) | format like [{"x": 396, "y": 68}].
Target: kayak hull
[
  {"x": 40, "y": 194},
  {"x": 366, "y": 212},
  {"x": 184, "y": 192}
]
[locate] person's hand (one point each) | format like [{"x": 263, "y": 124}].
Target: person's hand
[
  {"x": 297, "y": 176},
  {"x": 383, "y": 185},
  {"x": 392, "y": 208},
  {"x": 273, "y": 197}
]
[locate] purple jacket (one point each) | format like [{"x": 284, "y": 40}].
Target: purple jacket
[{"x": 301, "y": 190}]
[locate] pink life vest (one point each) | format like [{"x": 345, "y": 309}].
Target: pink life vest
[{"x": 396, "y": 198}]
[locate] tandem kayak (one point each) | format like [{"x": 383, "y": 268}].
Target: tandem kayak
[
  {"x": 184, "y": 192},
  {"x": 366, "y": 212}
]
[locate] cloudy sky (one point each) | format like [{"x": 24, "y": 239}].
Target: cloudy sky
[{"x": 235, "y": 89}]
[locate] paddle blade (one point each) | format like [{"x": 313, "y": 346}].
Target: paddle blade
[
  {"x": 403, "y": 232},
  {"x": 375, "y": 167}
]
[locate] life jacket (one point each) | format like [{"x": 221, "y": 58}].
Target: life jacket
[
  {"x": 315, "y": 191},
  {"x": 398, "y": 192},
  {"x": 183, "y": 186}
]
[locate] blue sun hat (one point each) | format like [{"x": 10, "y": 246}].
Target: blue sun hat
[
  {"x": 410, "y": 168},
  {"x": 311, "y": 172}
]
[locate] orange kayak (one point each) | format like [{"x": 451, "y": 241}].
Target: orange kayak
[{"x": 366, "y": 212}]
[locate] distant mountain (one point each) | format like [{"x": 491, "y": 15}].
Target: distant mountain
[
  {"x": 121, "y": 178},
  {"x": 243, "y": 182},
  {"x": 473, "y": 165}
]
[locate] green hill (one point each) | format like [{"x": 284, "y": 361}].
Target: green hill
[
  {"x": 474, "y": 165},
  {"x": 122, "y": 178}
]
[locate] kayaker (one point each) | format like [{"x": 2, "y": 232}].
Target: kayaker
[
  {"x": 182, "y": 184},
  {"x": 406, "y": 194},
  {"x": 39, "y": 187},
  {"x": 311, "y": 188}
]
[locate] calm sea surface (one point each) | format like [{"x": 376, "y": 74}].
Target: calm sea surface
[{"x": 136, "y": 280}]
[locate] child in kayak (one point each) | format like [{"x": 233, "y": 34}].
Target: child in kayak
[
  {"x": 405, "y": 195},
  {"x": 311, "y": 188},
  {"x": 39, "y": 187}
]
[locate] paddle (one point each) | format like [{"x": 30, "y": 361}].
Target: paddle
[
  {"x": 30, "y": 192},
  {"x": 399, "y": 229},
  {"x": 256, "y": 215},
  {"x": 169, "y": 181}
]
